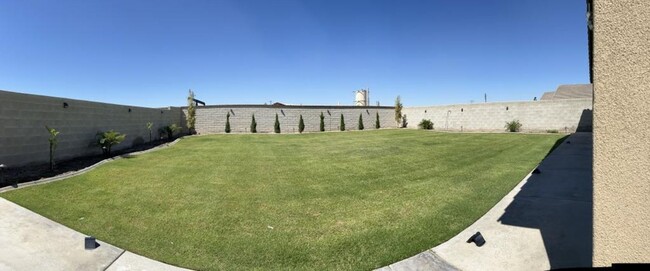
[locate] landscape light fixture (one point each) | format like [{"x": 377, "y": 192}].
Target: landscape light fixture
[
  {"x": 477, "y": 239},
  {"x": 90, "y": 243},
  {"x": 65, "y": 105}
]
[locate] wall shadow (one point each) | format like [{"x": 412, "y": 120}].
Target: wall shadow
[
  {"x": 558, "y": 201},
  {"x": 585, "y": 124}
]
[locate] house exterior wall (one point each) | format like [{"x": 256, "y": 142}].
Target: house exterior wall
[{"x": 621, "y": 78}]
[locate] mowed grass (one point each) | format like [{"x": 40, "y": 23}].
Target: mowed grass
[{"x": 328, "y": 201}]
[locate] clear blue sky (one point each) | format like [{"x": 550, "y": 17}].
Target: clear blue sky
[{"x": 149, "y": 53}]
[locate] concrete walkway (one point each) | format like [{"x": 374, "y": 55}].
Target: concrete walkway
[
  {"x": 544, "y": 223},
  {"x": 29, "y": 241}
]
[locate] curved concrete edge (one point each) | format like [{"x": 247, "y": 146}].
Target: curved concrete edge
[
  {"x": 539, "y": 225},
  {"x": 33, "y": 242},
  {"x": 129, "y": 261},
  {"x": 70, "y": 174}
]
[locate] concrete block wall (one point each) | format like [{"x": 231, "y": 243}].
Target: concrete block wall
[
  {"x": 212, "y": 119},
  {"x": 535, "y": 116},
  {"x": 23, "y": 117}
]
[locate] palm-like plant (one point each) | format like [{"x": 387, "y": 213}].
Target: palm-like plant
[
  {"x": 53, "y": 142},
  {"x": 106, "y": 140}
]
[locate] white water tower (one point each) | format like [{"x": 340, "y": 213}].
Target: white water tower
[{"x": 362, "y": 97}]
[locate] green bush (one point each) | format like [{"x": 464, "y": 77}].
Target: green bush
[
  {"x": 301, "y": 125},
  {"x": 276, "y": 126},
  {"x": 322, "y": 122},
  {"x": 513, "y": 126},
  {"x": 53, "y": 142},
  {"x": 342, "y": 124},
  {"x": 106, "y": 140},
  {"x": 360, "y": 122},
  {"x": 377, "y": 126},
  {"x": 253, "y": 125},
  {"x": 227, "y": 123},
  {"x": 169, "y": 131},
  {"x": 404, "y": 121},
  {"x": 426, "y": 124}
]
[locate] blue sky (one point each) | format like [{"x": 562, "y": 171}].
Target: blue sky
[{"x": 149, "y": 53}]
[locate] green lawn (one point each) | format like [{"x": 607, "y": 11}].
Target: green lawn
[{"x": 335, "y": 201}]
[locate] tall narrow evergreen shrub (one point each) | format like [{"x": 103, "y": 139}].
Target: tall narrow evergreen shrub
[
  {"x": 342, "y": 126},
  {"x": 253, "y": 125},
  {"x": 276, "y": 126},
  {"x": 360, "y": 121},
  {"x": 377, "y": 126},
  {"x": 322, "y": 122},
  {"x": 228, "y": 123},
  {"x": 301, "y": 125}
]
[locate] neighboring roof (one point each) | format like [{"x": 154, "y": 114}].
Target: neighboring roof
[
  {"x": 547, "y": 95},
  {"x": 577, "y": 91}
]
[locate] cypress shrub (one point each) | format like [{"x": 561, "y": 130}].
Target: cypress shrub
[
  {"x": 322, "y": 122},
  {"x": 301, "y": 125},
  {"x": 228, "y": 123},
  {"x": 377, "y": 126},
  {"x": 342, "y": 126},
  {"x": 360, "y": 121},
  {"x": 276, "y": 126},
  {"x": 253, "y": 125}
]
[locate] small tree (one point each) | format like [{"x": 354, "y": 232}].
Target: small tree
[
  {"x": 360, "y": 121},
  {"x": 276, "y": 126},
  {"x": 322, "y": 122},
  {"x": 398, "y": 110},
  {"x": 301, "y": 125},
  {"x": 149, "y": 127},
  {"x": 228, "y": 123},
  {"x": 342, "y": 126},
  {"x": 191, "y": 112},
  {"x": 253, "y": 125},
  {"x": 53, "y": 142},
  {"x": 377, "y": 126},
  {"x": 106, "y": 140},
  {"x": 404, "y": 121}
]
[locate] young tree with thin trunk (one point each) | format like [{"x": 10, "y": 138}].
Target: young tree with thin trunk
[
  {"x": 398, "y": 111},
  {"x": 228, "y": 123},
  {"x": 322, "y": 122},
  {"x": 377, "y": 126},
  {"x": 276, "y": 126},
  {"x": 53, "y": 142},
  {"x": 342, "y": 125},
  {"x": 191, "y": 112}
]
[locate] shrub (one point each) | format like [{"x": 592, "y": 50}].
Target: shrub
[
  {"x": 342, "y": 125},
  {"x": 513, "y": 126},
  {"x": 149, "y": 127},
  {"x": 361, "y": 122},
  {"x": 322, "y": 122},
  {"x": 398, "y": 111},
  {"x": 227, "y": 123},
  {"x": 554, "y": 131},
  {"x": 301, "y": 125},
  {"x": 106, "y": 140},
  {"x": 253, "y": 125},
  {"x": 404, "y": 121},
  {"x": 426, "y": 124},
  {"x": 191, "y": 113},
  {"x": 169, "y": 130},
  {"x": 276, "y": 126},
  {"x": 377, "y": 126},
  {"x": 53, "y": 142}
]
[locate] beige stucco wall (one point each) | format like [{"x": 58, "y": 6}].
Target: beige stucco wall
[{"x": 621, "y": 75}]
